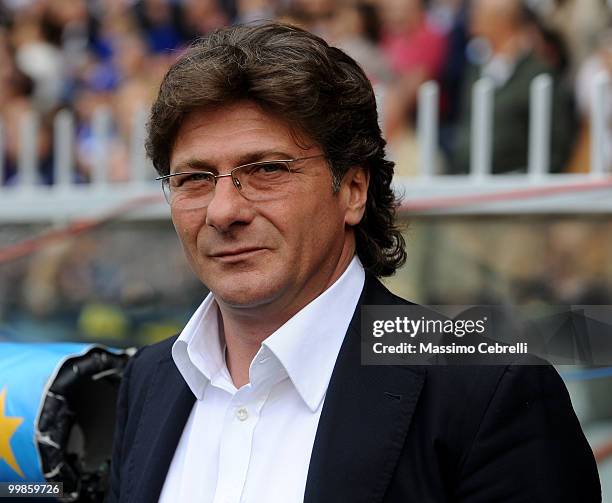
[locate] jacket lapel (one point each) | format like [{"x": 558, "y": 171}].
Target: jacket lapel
[
  {"x": 161, "y": 425},
  {"x": 364, "y": 421}
]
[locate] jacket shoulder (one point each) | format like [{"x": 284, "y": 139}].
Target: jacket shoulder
[
  {"x": 140, "y": 371},
  {"x": 376, "y": 293},
  {"x": 148, "y": 356}
]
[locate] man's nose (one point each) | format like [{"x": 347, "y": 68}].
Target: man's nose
[{"x": 227, "y": 206}]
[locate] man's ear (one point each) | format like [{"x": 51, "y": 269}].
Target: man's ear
[{"x": 355, "y": 184}]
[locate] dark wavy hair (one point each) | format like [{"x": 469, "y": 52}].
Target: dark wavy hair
[{"x": 317, "y": 89}]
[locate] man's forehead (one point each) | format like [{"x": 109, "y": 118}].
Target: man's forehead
[
  {"x": 238, "y": 130},
  {"x": 241, "y": 114}
]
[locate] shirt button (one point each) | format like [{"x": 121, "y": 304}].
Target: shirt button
[{"x": 242, "y": 414}]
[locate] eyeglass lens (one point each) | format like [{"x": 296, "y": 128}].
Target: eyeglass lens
[{"x": 256, "y": 182}]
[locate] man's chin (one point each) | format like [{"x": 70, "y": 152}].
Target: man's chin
[{"x": 245, "y": 296}]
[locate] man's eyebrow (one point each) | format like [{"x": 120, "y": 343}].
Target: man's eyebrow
[
  {"x": 193, "y": 165},
  {"x": 196, "y": 164}
]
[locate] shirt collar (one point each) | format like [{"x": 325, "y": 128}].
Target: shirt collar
[
  {"x": 501, "y": 68},
  {"x": 197, "y": 352},
  {"x": 306, "y": 346}
]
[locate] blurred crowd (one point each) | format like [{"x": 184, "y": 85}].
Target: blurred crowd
[
  {"x": 95, "y": 287},
  {"x": 84, "y": 54}
]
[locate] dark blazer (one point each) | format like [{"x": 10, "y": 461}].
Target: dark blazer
[{"x": 387, "y": 433}]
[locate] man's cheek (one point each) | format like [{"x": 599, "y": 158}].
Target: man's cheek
[{"x": 187, "y": 240}]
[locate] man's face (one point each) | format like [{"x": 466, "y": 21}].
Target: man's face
[
  {"x": 276, "y": 252},
  {"x": 491, "y": 18}
]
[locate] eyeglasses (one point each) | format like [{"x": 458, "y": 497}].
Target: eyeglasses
[{"x": 256, "y": 181}]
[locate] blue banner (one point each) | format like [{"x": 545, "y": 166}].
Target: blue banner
[{"x": 26, "y": 371}]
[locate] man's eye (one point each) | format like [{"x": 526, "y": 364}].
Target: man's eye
[
  {"x": 191, "y": 179},
  {"x": 268, "y": 168}
]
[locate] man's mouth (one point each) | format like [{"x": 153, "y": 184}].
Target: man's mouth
[{"x": 236, "y": 253}]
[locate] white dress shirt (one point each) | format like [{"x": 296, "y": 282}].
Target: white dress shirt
[{"x": 253, "y": 444}]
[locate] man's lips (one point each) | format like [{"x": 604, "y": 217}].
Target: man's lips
[{"x": 236, "y": 252}]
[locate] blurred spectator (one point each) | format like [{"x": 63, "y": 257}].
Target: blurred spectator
[
  {"x": 124, "y": 102},
  {"x": 13, "y": 114},
  {"x": 549, "y": 44},
  {"x": 355, "y": 28},
  {"x": 162, "y": 24},
  {"x": 40, "y": 61},
  {"x": 202, "y": 16},
  {"x": 313, "y": 15},
  {"x": 579, "y": 22},
  {"x": 598, "y": 63},
  {"x": 510, "y": 62},
  {"x": 452, "y": 17},
  {"x": 14, "y": 84},
  {"x": 16, "y": 103},
  {"x": 415, "y": 50},
  {"x": 65, "y": 25},
  {"x": 409, "y": 39},
  {"x": 254, "y": 10}
]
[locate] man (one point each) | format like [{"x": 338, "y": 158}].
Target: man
[
  {"x": 416, "y": 50},
  {"x": 511, "y": 66},
  {"x": 271, "y": 157}
]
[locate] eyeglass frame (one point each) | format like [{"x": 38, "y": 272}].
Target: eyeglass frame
[{"x": 235, "y": 179}]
